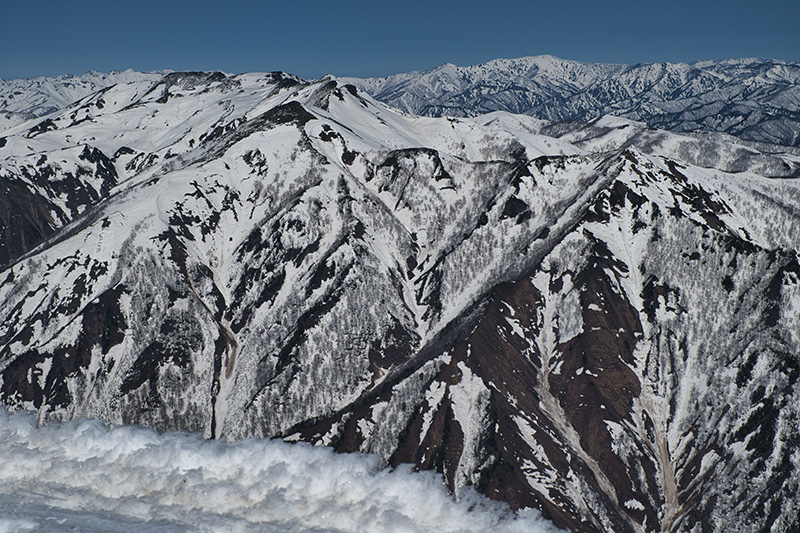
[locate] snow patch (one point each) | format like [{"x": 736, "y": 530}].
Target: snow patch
[{"x": 634, "y": 505}]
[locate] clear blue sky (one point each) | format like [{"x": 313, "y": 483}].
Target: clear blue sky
[{"x": 311, "y": 38}]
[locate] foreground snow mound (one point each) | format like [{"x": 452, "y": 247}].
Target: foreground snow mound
[{"x": 84, "y": 474}]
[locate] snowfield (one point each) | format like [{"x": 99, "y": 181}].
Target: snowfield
[{"x": 85, "y": 476}]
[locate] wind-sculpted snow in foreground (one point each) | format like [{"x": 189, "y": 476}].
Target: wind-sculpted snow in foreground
[{"x": 85, "y": 476}]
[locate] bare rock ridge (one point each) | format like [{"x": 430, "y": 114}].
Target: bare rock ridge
[{"x": 596, "y": 320}]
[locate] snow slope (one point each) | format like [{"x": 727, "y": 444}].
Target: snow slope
[{"x": 27, "y": 99}]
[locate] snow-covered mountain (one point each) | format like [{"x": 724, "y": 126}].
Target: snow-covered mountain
[
  {"x": 598, "y": 320},
  {"x": 26, "y": 99},
  {"x": 753, "y": 99}
]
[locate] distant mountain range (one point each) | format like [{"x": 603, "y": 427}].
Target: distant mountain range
[
  {"x": 752, "y": 99},
  {"x": 596, "y": 319}
]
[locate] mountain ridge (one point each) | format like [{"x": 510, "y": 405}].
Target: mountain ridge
[
  {"x": 596, "y": 320},
  {"x": 754, "y": 99}
]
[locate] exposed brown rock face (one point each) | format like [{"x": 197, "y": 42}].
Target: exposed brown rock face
[
  {"x": 24, "y": 221},
  {"x": 42, "y": 379},
  {"x": 39, "y": 195},
  {"x": 501, "y": 353}
]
